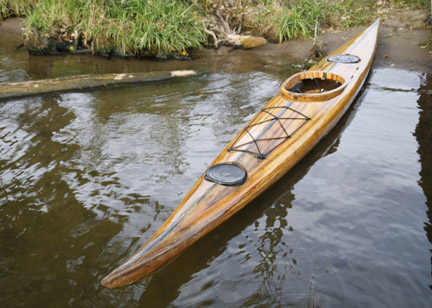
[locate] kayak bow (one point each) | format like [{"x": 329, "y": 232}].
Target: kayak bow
[{"x": 308, "y": 106}]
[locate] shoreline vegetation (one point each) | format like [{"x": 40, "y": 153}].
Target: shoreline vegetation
[{"x": 171, "y": 28}]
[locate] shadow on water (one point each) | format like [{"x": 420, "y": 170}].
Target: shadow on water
[
  {"x": 423, "y": 135},
  {"x": 272, "y": 207}
]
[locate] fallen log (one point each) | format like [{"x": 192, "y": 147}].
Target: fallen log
[{"x": 80, "y": 82}]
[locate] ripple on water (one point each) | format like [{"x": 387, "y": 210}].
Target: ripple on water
[{"x": 87, "y": 177}]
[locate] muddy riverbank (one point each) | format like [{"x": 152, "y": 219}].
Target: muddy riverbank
[{"x": 405, "y": 42}]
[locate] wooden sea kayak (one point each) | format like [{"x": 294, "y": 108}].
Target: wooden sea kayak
[{"x": 307, "y": 107}]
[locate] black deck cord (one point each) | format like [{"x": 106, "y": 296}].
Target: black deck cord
[{"x": 259, "y": 154}]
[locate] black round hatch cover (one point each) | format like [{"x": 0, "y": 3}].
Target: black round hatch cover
[
  {"x": 226, "y": 174},
  {"x": 345, "y": 58}
]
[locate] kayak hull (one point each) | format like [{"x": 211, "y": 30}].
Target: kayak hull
[{"x": 273, "y": 142}]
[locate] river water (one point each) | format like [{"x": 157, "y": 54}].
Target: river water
[{"x": 86, "y": 177}]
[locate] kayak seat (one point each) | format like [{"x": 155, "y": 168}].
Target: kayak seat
[{"x": 312, "y": 86}]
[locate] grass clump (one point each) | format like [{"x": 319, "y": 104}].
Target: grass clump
[
  {"x": 353, "y": 12},
  {"x": 9, "y": 8},
  {"x": 126, "y": 27},
  {"x": 282, "y": 20},
  {"x": 158, "y": 26},
  {"x": 298, "y": 18}
]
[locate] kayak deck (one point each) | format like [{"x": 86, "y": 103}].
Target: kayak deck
[{"x": 273, "y": 142}]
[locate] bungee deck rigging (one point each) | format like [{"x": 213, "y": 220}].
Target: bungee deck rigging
[{"x": 273, "y": 119}]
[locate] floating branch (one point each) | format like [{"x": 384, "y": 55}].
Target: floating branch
[{"x": 80, "y": 82}]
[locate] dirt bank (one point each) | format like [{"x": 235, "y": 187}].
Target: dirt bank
[
  {"x": 11, "y": 26},
  {"x": 405, "y": 42}
]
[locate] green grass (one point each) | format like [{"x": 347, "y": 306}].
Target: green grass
[
  {"x": 415, "y": 3},
  {"x": 135, "y": 25},
  {"x": 10, "y": 8},
  {"x": 128, "y": 26},
  {"x": 139, "y": 27},
  {"x": 298, "y": 19},
  {"x": 291, "y": 19},
  {"x": 354, "y": 12}
]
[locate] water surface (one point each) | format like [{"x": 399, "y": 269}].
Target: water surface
[{"x": 88, "y": 177}]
